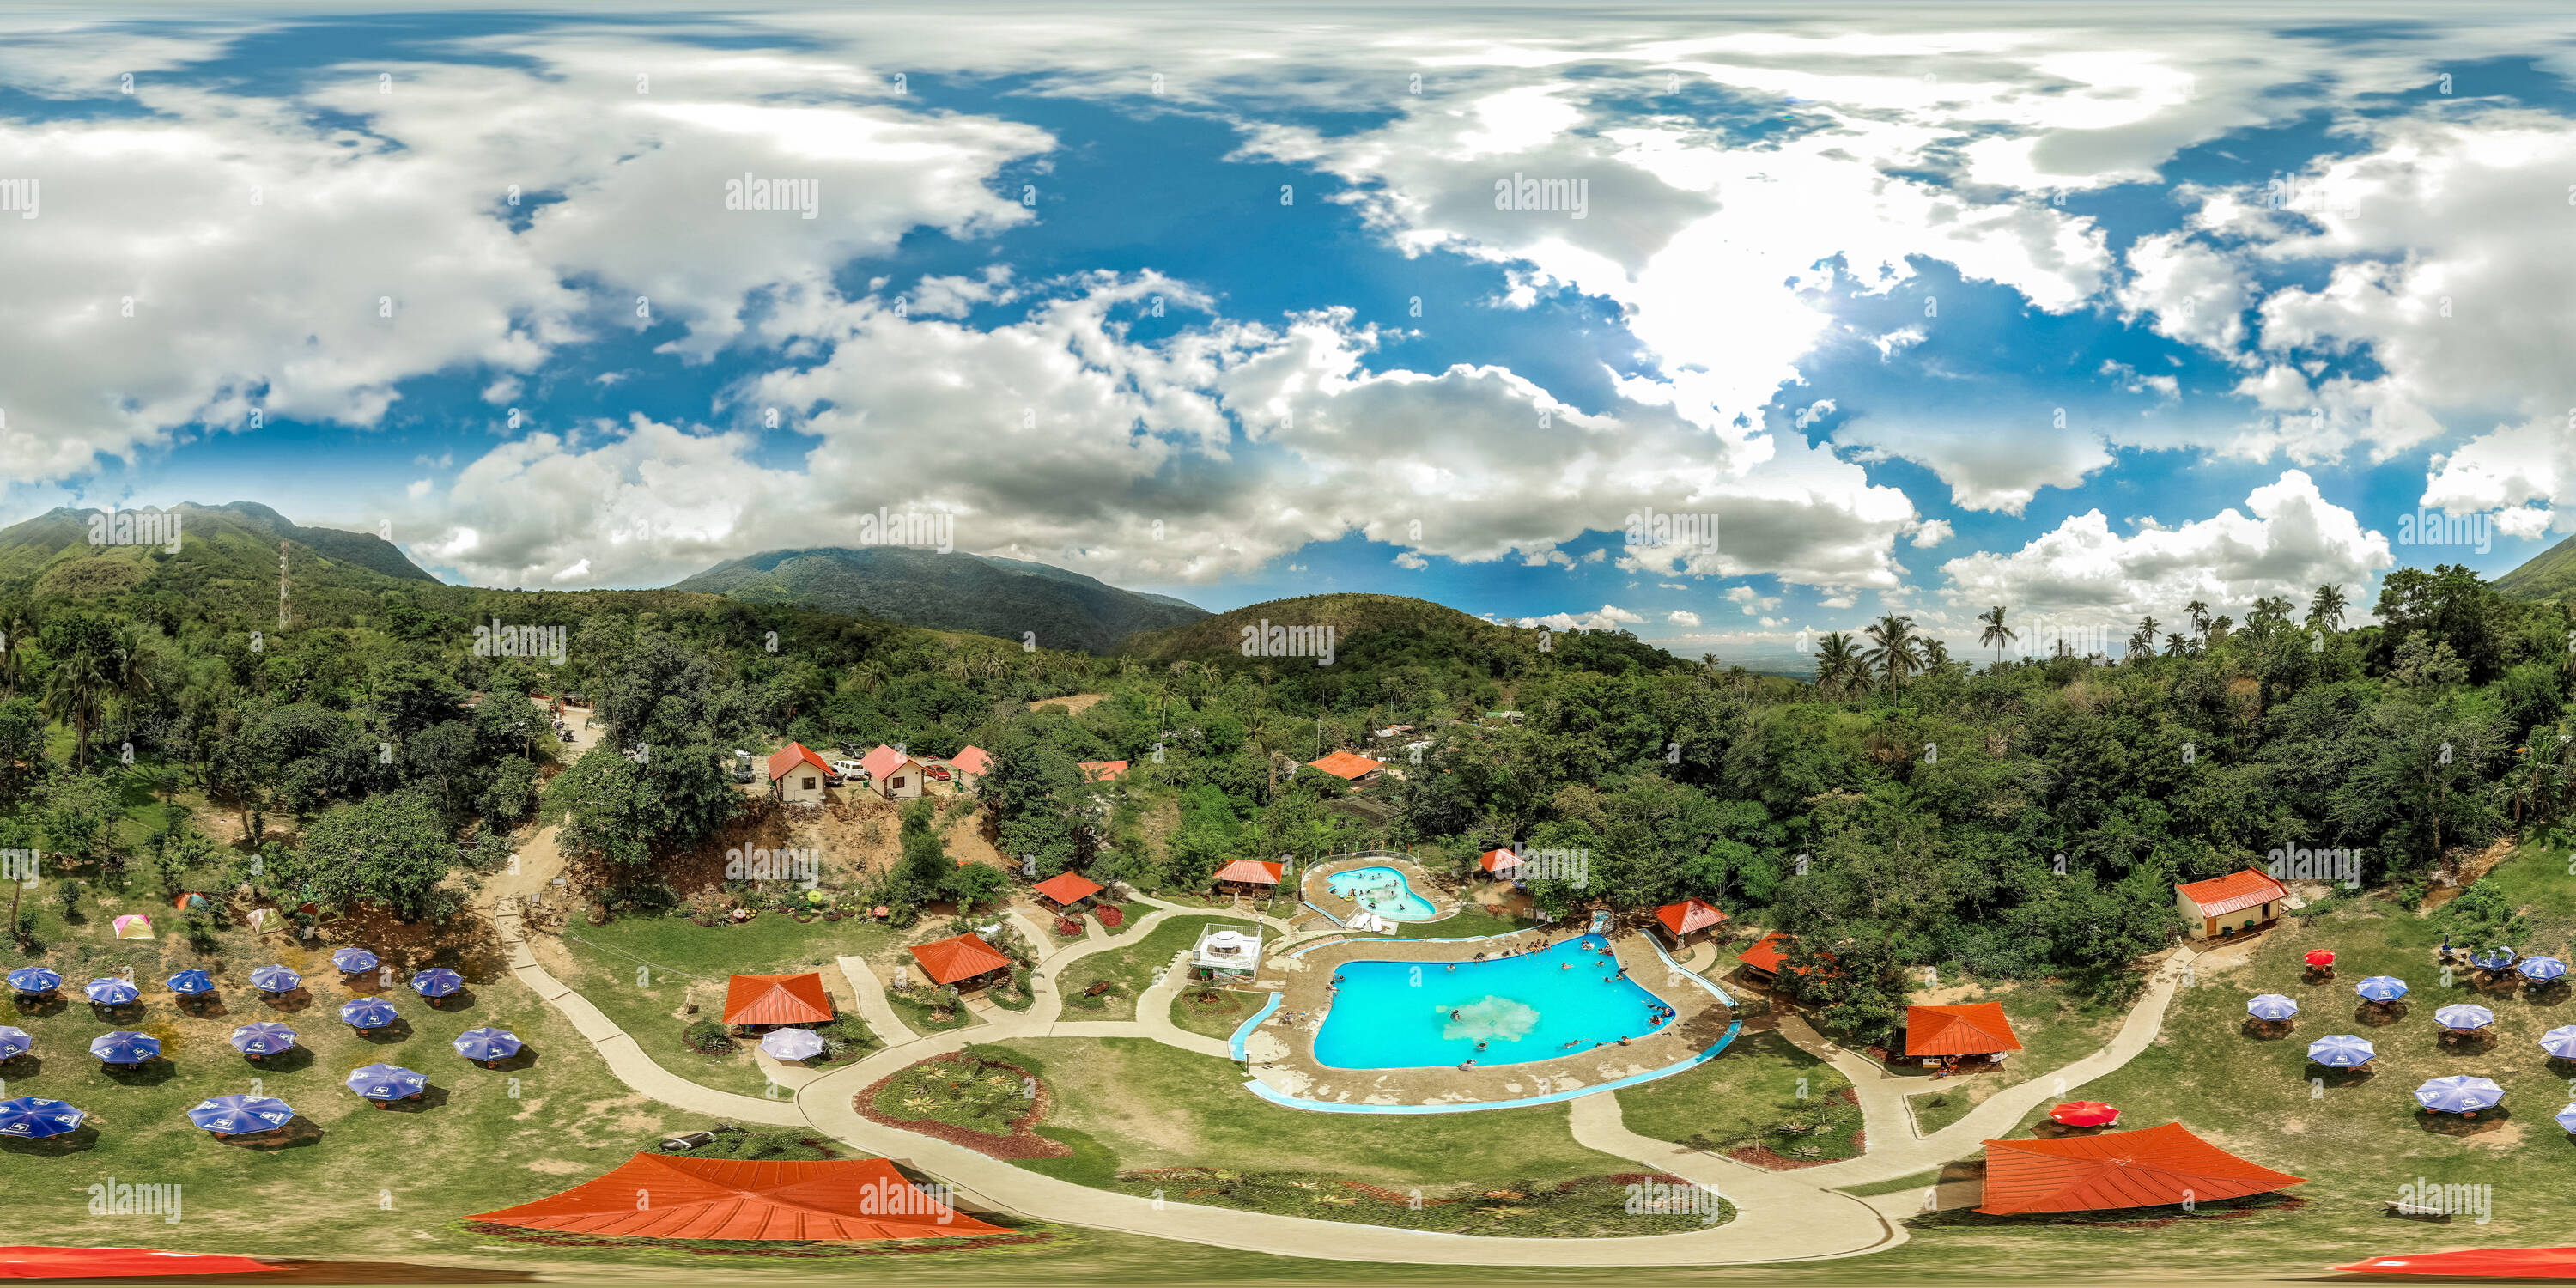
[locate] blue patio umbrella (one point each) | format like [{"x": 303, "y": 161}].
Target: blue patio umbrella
[
  {"x": 2492, "y": 959},
  {"x": 437, "y": 981},
  {"x": 190, "y": 983},
  {"x": 2342, "y": 1051},
  {"x": 2464, "y": 1015},
  {"x": 34, "y": 1118},
  {"x": 2271, "y": 1006},
  {"x": 111, "y": 991},
  {"x": 2459, "y": 1094},
  {"x": 34, "y": 979},
  {"x": 2567, "y": 1117},
  {"x": 387, "y": 1082},
  {"x": 125, "y": 1046},
  {"x": 367, "y": 1013},
  {"x": 275, "y": 979},
  {"x": 2382, "y": 988},
  {"x": 350, "y": 961},
  {"x": 487, "y": 1044},
  {"x": 2541, "y": 970},
  {"x": 14, "y": 1043},
  {"x": 263, "y": 1037},
  {"x": 238, "y": 1115}
]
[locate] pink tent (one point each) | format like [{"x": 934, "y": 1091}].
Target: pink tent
[{"x": 134, "y": 925}]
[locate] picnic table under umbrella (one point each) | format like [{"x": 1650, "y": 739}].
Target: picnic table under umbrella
[
  {"x": 793, "y": 1043},
  {"x": 437, "y": 982},
  {"x": 368, "y": 1013},
  {"x": 34, "y": 981},
  {"x": 111, "y": 991},
  {"x": 2541, "y": 970},
  {"x": 383, "y": 1083},
  {"x": 239, "y": 1115},
  {"x": 2459, "y": 1094},
  {"x": 192, "y": 983},
  {"x": 487, "y": 1044},
  {"x": 125, "y": 1046},
  {"x": 14, "y": 1042},
  {"x": 2463, "y": 1016},
  {"x": 275, "y": 979},
  {"x": 2381, "y": 988},
  {"x": 2084, "y": 1113},
  {"x": 2342, "y": 1051},
  {"x": 35, "y": 1118},
  {"x": 2493, "y": 959},
  {"x": 263, "y": 1037},
  {"x": 2271, "y": 1007},
  {"x": 352, "y": 961}
]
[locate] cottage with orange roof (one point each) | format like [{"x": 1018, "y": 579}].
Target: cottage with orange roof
[
  {"x": 1102, "y": 771},
  {"x": 1248, "y": 876},
  {"x": 1349, "y": 766},
  {"x": 1065, "y": 889},
  {"x": 970, "y": 766},
  {"x": 1501, "y": 864},
  {"x": 2222, "y": 906},
  {"x": 894, "y": 775},
  {"x": 767, "y": 1001},
  {"x": 1944, "y": 1035},
  {"x": 1689, "y": 921},
  {"x": 964, "y": 961},
  {"x": 797, "y": 776}
]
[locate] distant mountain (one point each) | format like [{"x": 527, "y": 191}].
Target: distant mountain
[
  {"x": 957, "y": 592},
  {"x": 226, "y": 561},
  {"x": 1352, "y": 617},
  {"x": 2549, "y": 575}
]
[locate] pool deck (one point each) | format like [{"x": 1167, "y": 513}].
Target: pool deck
[
  {"x": 1279, "y": 1051},
  {"x": 1317, "y": 887}
]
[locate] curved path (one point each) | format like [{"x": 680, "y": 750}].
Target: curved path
[{"x": 1780, "y": 1216}]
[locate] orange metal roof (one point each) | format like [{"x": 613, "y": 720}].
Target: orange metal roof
[
  {"x": 947, "y": 961},
  {"x": 1253, "y": 870},
  {"x": 1102, "y": 771},
  {"x": 656, "y": 1196},
  {"x": 787, "y": 757},
  {"x": 972, "y": 760},
  {"x": 776, "y": 999},
  {"x": 1688, "y": 915},
  {"x": 1769, "y": 955},
  {"x": 2234, "y": 892},
  {"x": 2147, "y": 1168},
  {"x": 882, "y": 760},
  {"x": 1345, "y": 764},
  {"x": 1066, "y": 887},
  {"x": 1492, "y": 859},
  {"x": 1974, "y": 1028}
]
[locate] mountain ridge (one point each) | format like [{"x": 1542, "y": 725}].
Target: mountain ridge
[{"x": 982, "y": 594}]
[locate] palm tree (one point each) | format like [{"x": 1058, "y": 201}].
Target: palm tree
[
  {"x": 79, "y": 685},
  {"x": 1836, "y": 661},
  {"x": 2176, "y": 645},
  {"x": 2199, "y": 612},
  {"x": 16, "y": 628},
  {"x": 2143, "y": 643},
  {"x": 2325, "y": 612},
  {"x": 1996, "y": 634},
  {"x": 869, "y": 675},
  {"x": 1935, "y": 654},
  {"x": 1892, "y": 648}
]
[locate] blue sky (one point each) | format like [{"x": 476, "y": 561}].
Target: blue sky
[{"x": 1926, "y": 314}]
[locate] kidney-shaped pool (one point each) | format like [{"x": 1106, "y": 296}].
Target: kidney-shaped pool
[{"x": 1563, "y": 1001}]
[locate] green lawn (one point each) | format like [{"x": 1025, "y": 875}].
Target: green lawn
[
  {"x": 1470, "y": 922},
  {"x": 1129, "y": 968},
  {"x": 1748, "y": 1095},
  {"x": 1130, "y": 914},
  {"x": 2357, "y": 1139},
  {"x": 640, "y": 970},
  {"x": 1218, "y": 1019},
  {"x": 2056, "y": 1029},
  {"x": 1130, "y": 1104}
]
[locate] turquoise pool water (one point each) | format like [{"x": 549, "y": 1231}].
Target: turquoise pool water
[
  {"x": 1398, "y": 1015},
  {"x": 1383, "y": 891}
]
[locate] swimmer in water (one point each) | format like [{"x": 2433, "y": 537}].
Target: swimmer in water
[{"x": 1453, "y": 1014}]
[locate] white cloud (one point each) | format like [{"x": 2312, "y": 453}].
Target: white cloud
[
  {"x": 1988, "y": 466},
  {"x": 2292, "y": 541},
  {"x": 2526, "y": 472},
  {"x": 1610, "y": 618},
  {"x": 1682, "y": 617},
  {"x": 1930, "y": 533}
]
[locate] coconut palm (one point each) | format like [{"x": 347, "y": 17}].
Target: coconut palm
[
  {"x": 2325, "y": 612},
  {"x": 2198, "y": 611},
  {"x": 869, "y": 675},
  {"x": 2142, "y": 644},
  {"x": 1837, "y": 661},
  {"x": 2176, "y": 645},
  {"x": 1996, "y": 635},
  {"x": 1893, "y": 649},
  {"x": 76, "y": 693},
  {"x": 16, "y": 629}
]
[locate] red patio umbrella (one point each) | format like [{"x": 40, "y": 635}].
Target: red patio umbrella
[
  {"x": 27, "y": 1262},
  {"x": 2320, "y": 957},
  {"x": 2085, "y": 1113}
]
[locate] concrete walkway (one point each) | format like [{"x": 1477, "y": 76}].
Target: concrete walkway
[{"x": 873, "y": 1006}]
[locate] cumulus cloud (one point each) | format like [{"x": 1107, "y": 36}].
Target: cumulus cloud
[
  {"x": 1988, "y": 467},
  {"x": 2526, "y": 473},
  {"x": 2287, "y": 541},
  {"x": 1610, "y": 618},
  {"x": 1682, "y": 617}
]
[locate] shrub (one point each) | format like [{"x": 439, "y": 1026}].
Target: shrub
[{"x": 708, "y": 1037}]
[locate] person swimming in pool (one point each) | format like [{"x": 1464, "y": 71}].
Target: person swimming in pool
[
  {"x": 1480, "y": 1044},
  {"x": 1453, "y": 1013}
]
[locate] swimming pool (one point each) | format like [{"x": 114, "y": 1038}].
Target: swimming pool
[
  {"x": 1537, "y": 1006},
  {"x": 1383, "y": 891}
]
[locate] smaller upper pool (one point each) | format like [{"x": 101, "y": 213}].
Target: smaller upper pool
[{"x": 1384, "y": 891}]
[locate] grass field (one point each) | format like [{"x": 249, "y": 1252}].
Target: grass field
[
  {"x": 1744, "y": 1096},
  {"x": 1218, "y": 1019},
  {"x": 1129, "y": 968},
  {"x": 641, "y": 970}
]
